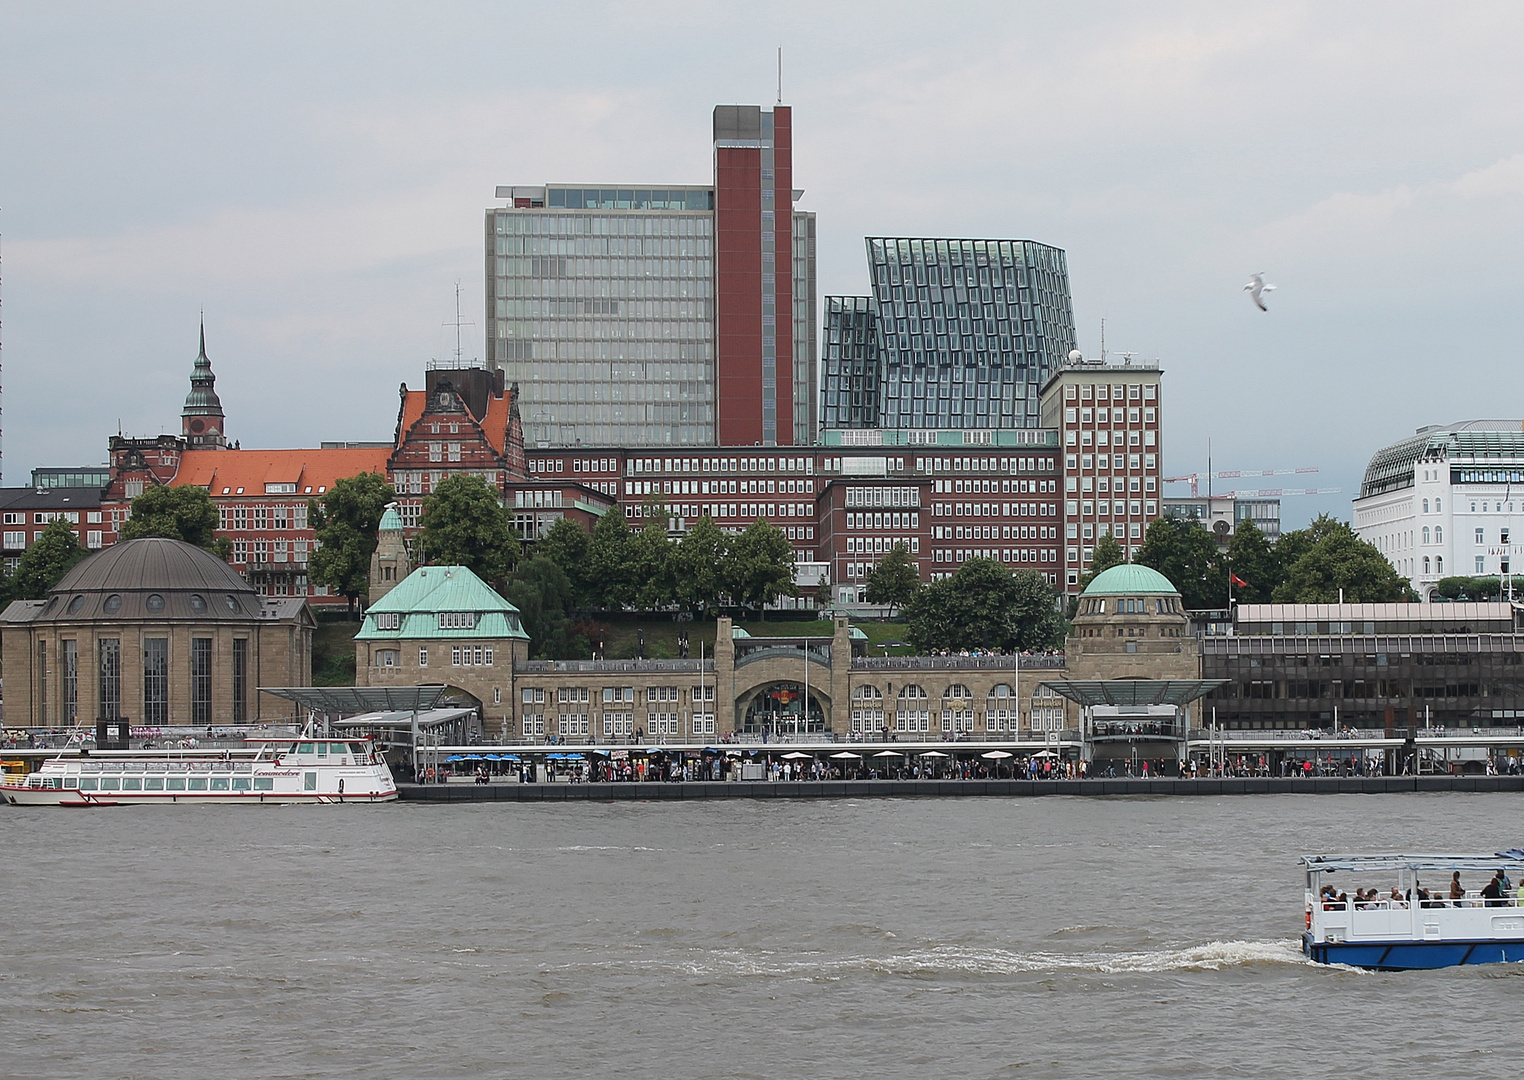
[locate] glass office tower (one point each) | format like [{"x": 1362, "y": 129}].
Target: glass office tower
[
  {"x": 968, "y": 330},
  {"x": 601, "y": 307},
  {"x": 851, "y": 363}
]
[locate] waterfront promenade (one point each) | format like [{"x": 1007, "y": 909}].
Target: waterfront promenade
[{"x": 878, "y": 789}]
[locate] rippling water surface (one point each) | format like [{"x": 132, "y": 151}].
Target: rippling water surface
[{"x": 1048, "y": 937}]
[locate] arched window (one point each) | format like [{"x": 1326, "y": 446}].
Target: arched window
[
  {"x": 1425, "y": 564},
  {"x": 1436, "y": 506},
  {"x": 1426, "y": 506},
  {"x": 1439, "y": 564},
  {"x": 1000, "y": 709},
  {"x": 912, "y": 691},
  {"x": 911, "y": 713},
  {"x": 1425, "y": 534},
  {"x": 957, "y": 690},
  {"x": 1439, "y": 534},
  {"x": 867, "y": 692}
]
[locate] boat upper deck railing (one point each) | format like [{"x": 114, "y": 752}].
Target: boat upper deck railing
[{"x": 1472, "y": 899}]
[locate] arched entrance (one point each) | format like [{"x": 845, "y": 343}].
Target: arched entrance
[{"x": 778, "y": 709}]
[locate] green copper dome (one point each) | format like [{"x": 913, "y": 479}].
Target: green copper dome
[{"x": 1130, "y": 579}]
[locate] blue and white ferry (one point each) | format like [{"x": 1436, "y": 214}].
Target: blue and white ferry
[{"x": 1395, "y": 912}]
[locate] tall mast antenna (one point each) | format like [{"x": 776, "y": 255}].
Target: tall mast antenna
[{"x": 780, "y": 74}]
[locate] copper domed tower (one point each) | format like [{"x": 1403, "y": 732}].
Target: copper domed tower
[{"x": 201, "y": 421}]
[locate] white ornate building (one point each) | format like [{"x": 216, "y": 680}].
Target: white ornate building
[{"x": 1447, "y": 502}]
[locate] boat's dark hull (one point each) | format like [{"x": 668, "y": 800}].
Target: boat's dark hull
[{"x": 1408, "y": 955}]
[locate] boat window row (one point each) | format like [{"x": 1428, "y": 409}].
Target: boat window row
[
  {"x": 162, "y": 783},
  {"x": 164, "y": 766}
]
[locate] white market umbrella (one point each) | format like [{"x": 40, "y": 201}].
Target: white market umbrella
[
  {"x": 933, "y": 753},
  {"x": 1045, "y": 753},
  {"x": 888, "y": 753},
  {"x": 795, "y": 756},
  {"x": 995, "y": 755},
  {"x": 846, "y": 755}
]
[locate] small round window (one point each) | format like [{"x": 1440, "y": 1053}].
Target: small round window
[
  {"x": 75, "y": 604},
  {"x": 154, "y": 603},
  {"x": 113, "y": 604},
  {"x": 197, "y": 603},
  {"x": 232, "y": 602}
]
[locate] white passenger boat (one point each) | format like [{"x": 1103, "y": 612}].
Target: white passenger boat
[
  {"x": 1394, "y": 912},
  {"x": 288, "y": 769}
]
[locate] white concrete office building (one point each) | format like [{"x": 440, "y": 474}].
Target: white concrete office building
[{"x": 1447, "y": 502}]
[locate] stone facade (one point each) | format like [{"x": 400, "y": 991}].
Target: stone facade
[{"x": 84, "y": 653}]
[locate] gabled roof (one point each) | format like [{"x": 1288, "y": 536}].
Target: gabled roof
[
  {"x": 430, "y": 590},
  {"x": 494, "y": 425},
  {"x": 251, "y": 470}
]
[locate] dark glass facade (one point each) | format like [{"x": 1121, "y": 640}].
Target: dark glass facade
[
  {"x": 851, "y": 359},
  {"x": 1365, "y": 682},
  {"x": 969, "y": 330}
]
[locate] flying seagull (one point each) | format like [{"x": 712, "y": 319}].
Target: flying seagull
[{"x": 1257, "y": 288}]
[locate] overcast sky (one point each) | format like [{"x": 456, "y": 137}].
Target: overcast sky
[{"x": 314, "y": 176}]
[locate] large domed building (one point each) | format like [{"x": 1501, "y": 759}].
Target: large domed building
[{"x": 156, "y": 632}]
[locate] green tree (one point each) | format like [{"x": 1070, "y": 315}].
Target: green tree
[
  {"x": 1253, "y": 561},
  {"x": 895, "y": 580},
  {"x": 984, "y": 606},
  {"x": 698, "y": 567},
  {"x": 52, "y": 555},
  {"x": 177, "y": 513},
  {"x": 1183, "y": 551},
  {"x": 1108, "y": 553},
  {"x": 464, "y": 524},
  {"x": 1334, "y": 559},
  {"x": 1476, "y": 589},
  {"x": 761, "y": 566},
  {"x": 541, "y": 591},
  {"x": 650, "y": 566},
  {"x": 565, "y": 544},
  {"x": 345, "y": 522},
  {"x": 610, "y": 586}
]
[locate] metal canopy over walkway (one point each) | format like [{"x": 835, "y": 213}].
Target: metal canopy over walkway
[
  {"x": 1132, "y": 692},
  {"x": 349, "y": 700}
]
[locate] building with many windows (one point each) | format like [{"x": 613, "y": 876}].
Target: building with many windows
[
  {"x": 1442, "y": 503},
  {"x": 957, "y": 334},
  {"x": 1108, "y": 417},
  {"x": 672, "y": 315}
]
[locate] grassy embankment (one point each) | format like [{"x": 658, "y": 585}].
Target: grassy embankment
[{"x": 333, "y": 651}]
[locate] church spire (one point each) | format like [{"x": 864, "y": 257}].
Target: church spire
[{"x": 201, "y": 421}]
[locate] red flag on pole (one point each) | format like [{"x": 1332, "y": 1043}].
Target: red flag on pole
[{"x": 1238, "y": 581}]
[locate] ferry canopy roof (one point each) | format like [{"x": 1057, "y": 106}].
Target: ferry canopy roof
[
  {"x": 1133, "y": 691},
  {"x": 1327, "y": 864},
  {"x": 348, "y": 700}
]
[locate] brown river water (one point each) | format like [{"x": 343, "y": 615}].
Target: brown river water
[{"x": 1052, "y": 937}]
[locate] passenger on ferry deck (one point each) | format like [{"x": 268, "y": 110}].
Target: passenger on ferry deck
[
  {"x": 1457, "y": 890},
  {"x": 1397, "y": 898},
  {"x": 1492, "y": 892}
]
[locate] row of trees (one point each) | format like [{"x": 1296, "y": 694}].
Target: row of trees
[
  {"x": 984, "y": 605},
  {"x": 1307, "y": 566}
]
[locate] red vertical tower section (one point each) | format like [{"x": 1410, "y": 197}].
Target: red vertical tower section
[{"x": 753, "y": 268}]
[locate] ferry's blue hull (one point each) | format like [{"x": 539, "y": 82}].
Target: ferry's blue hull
[{"x": 1407, "y": 955}]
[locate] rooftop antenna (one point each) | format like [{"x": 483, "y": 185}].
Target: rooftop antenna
[
  {"x": 780, "y": 74},
  {"x": 1103, "y": 341},
  {"x": 1209, "y": 476},
  {"x": 458, "y": 323}
]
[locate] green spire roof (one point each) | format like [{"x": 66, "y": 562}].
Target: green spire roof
[
  {"x": 391, "y": 520},
  {"x": 430, "y": 591},
  {"x": 1130, "y": 578}
]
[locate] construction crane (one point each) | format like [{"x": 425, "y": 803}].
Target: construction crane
[
  {"x": 1237, "y": 474},
  {"x": 1272, "y": 493}
]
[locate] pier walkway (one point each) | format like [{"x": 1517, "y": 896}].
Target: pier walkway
[{"x": 875, "y": 789}]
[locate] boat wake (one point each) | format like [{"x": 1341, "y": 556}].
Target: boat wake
[
  {"x": 952, "y": 961},
  {"x": 1213, "y": 956}
]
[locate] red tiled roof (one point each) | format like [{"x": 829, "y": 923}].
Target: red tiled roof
[{"x": 253, "y": 469}]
